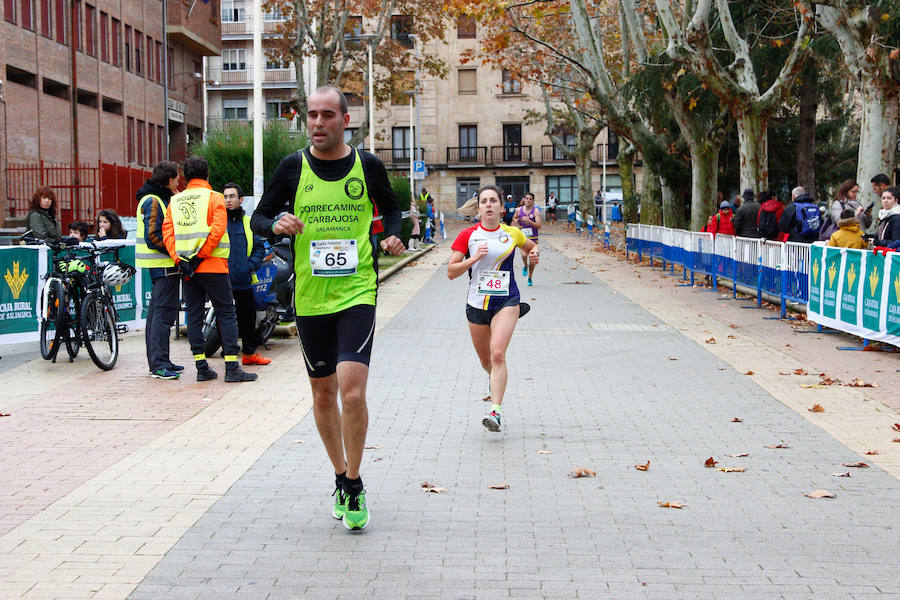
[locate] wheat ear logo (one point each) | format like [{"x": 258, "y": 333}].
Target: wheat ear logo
[
  {"x": 851, "y": 277},
  {"x": 16, "y": 280},
  {"x": 897, "y": 286},
  {"x": 815, "y": 270},
  {"x": 873, "y": 280},
  {"x": 832, "y": 273}
]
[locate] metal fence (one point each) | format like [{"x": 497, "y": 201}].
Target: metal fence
[{"x": 780, "y": 269}]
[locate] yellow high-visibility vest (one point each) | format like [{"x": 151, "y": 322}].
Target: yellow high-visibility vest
[
  {"x": 145, "y": 256},
  {"x": 249, "y": 235},
  {"x": 189, "y": 209}
]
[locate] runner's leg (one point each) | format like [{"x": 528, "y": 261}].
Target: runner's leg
[
  {"x": 351, "y": 379},
  {"x": 328, "y": 418},
  {"x": 502, "y": 327},
  {"x": 481, "y": 339}
]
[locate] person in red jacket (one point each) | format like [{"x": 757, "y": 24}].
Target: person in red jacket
[
  {"x": 722, "y": 221},
  {"x": 770, "y": 211}
]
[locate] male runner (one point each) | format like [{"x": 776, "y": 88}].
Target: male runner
[
  {"x": 323, "y": 196},
  {"x": 528, "y": 219}
]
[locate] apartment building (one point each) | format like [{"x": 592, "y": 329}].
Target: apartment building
[
  {"x": 472, "y": 126},
  {"x": 94, "y": 82}
]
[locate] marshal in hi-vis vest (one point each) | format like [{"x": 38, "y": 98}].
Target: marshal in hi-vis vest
[
  {"x": 144, "y": 256},
  {"x": 333, "y": 259},
  {"x": 189, "y": 221}
]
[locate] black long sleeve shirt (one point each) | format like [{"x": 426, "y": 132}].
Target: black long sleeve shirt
[{"x": 279, "y": 195}]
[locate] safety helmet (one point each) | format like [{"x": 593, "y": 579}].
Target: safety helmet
[{"x": 116, "y": 274}]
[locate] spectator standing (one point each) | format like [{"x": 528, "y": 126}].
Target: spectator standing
[
  {"x": 801, "y": 220},
  {"x": 745, "y": 218},
  {"x": 880, "y": 183},
  {"x": 887, "y": 234},
  {"x": 848, "y": 235},
  {"x": 150, "y": 253},
  {"x": 722, "y": 221},
  {"x": 429, "y": 220},
  {"x": 551, "y": 207},
  {"x": 416, "y": 228},
  {"x": 736, "y": 202},
  {"x": 847, "y": 198},
  {"x": 109, "y": 226},
  {"x": 245, "y": 255},
  {"x": 41, "y": 218},
  {"x": 598, "y": 206},
  {"x": 79, "y": 230},
  {"x": 770, "y": 211}
]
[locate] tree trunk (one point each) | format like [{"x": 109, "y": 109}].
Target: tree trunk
[
  {"x": 583, "y": 174},
  {"x": 672, "y": 205},
  {"x": 753, "y": 143},
  {"x": 651, "y": 197},
  {"x": 877, "y": 139},
  {"x": 704, "y": 183},
  {"x": 806, "y": 134},
  {"x": 625, "y": 160}
]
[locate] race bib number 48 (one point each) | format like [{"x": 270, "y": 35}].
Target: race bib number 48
[
  {"x": 333, "y": 258},
  {"x": 493, "y": 283}
]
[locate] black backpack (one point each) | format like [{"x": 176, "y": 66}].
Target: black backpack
[{"x": 768, "y": 224}]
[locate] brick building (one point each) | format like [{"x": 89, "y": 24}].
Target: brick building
[{"x": 84, "y": 83}]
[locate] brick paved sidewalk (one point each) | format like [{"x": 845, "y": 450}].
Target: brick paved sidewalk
[{"x": 591, "y": 381}]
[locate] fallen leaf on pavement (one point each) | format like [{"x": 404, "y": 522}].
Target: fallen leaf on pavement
[
  {"x": 816, "y": 408},
  {"x": 710, "y": 462},
  {"x": 808, "y": 386},
  {"x": 781, "y": 445},
  {"x": 431, "y": 488},
  {"x": 372, "y": 447},
  {"x": 844, "y": 474},
  {"x": 749, "y": 373},
  {"x": 826, "y": 380},
  {"x": 499, "y": 486},
  {"x": 783, "y": 373},
  {"x": 896, "y": 426},
  {"x": 378, "y": 459},
  {"x": 299, "y": 442},
  {"x": 731, "y": 469},
  {"x": 736, "y": 420},
  {"x": 671, "y": 504},
  {"x": 820, "y": 494},
  {"x": 896, "y": 440},
  {"x": 800, "y": 372},
  {"x": 672, "y": 358},
  {"x": 861, "y": 383},
  {"x": 4, "y": 414},
  {"x": 741, "y": 455},
  {"x": 486, "y": 398},
  {"x": 711, "y": 340},
  {"x": 582, "y": 472},
  {"x": 860, "y": 465},
  {"x": 733, "y": 326},
  {"x": 545, "y": 451},
  {"x": 643, "y": 467},
  {"x": 732, "y": 337},
  {"x": 872, "y": 452}
]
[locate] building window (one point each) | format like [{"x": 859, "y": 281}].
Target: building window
[
  {"x": 151, "y": 135},
  {"x": 468, "y": 81},
  {"x": 161, "y": 142},
  {"x": 129, "y": 139},
  {"x": 511, "y": 85},
  {"x": 232, "y": 11},
  {"x": 234, "y": 109},
  {"x": 9, "y": 10},
  {"x": 90, "y": 37},
  {"x": 61, "y": 21},
  {"x": 403, "y": 83},
  {"x": 140, "y": 142},
  {"x": 170, "y": 66},
  {"x": 568, "y": 140},
  {"x": 138, "y": 52},
  {"x": 116, "y": 43},
  {"x": 401, "y": 27},
  {"x": 104, "y": 37},
  {"x": 46, "y": 19},
  {"x": 28, "y": 15},
  {"x": 127, "y": 48},
  {"x": 234, "y": 59},
  {"x": 512, "y": 142},
  {"x": 278, "y": 109},
  {"x": 348, "y": 135},
  {"x": 564, "y": 186},
  {"x": 466, "y": 187},
  {"x": 149, "y": 59},
  {"x": 274, "y": 14},
  {"x": 274, "y": 64},
  {"x": 354, "y": 26},
  {"x": 466, "y": 28},
  {"x": 159, "y": 62},
  {"x": 612, "y": 145},
  {"x": 400, "y": 143},
  {"x": 76, "y": 26},
  {"x": 468, "y": 142}
]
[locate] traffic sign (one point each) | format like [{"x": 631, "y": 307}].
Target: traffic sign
[{"x": 418, "y": 166}]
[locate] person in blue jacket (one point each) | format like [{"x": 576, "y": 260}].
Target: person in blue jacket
[{"x": 246, "y": 254}]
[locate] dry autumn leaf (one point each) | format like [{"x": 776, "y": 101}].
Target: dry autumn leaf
[
  {"x": 781, "y": 445},
  {"x": 816, "y": 408},
  {"x": 582, "y": 472},
  {"x": 711, "y": 340},
  {"x": 372, "y": 447},
  {"x": 783, "y": 373},
  {"x": 749, "y": 373},
  {"x": 731, "y": 469},
  {"x": 4, "y": 414},
  {"x": 741, "y": 455},
  {"x": 733, "y": 326},
  {"x": 816, "y": 386},
  {"x": 800, "y": 372},
  {"x": 896, "y": 440},
  {"x": 643, "y": 467},
  {"x": 710, "y": 462},
  {"x": 732, "y": 337},
  {"x": 872, "y": 452},
  {"x": 299, "y": 442},
  {"x": 844, "y": 474},
  {"x": 859, "y": 465},
  {"x": 826, "y": 380},
  {"x": 896, "y": 426},
  {"x": 672, "y": 358},
  {"x": 820, "y": 494},
  {"x": 499, "y": 486},
  {"x": 736, "y": 420},
  {"x": 431, "y": 488},
  {"x": 545, "y": 451},
  {"x": 671, "y": 504},
  {"x": 860, "y": 383}
]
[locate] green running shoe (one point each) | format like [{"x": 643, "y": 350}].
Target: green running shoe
[
  {"x": 340, "y": 503},
  {"x": 491, "y": 421},
  {"x": 356, "y": 517}
]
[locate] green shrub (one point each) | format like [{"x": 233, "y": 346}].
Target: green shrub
[{"x": 401, "y": 191}]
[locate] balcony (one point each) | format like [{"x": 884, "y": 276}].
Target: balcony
[
  {"x": 219, "y": 78},
  {"x": 219, "y": 123},
  {"x": 510, "y": 155},
  {"x": 397, "y": 158},
  {"x": 611, "y": 153},
  {"x": 467, "y": 156},
  {"x": 237, "y": 30},
  {"x": 550, "y": 154}
]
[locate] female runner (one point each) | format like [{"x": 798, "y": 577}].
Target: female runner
[{"x": 487, "y": 251}]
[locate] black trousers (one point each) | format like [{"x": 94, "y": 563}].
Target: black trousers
[
  {"x": 245, "y": 305},
  {"x": 216, "y": 287},
  {"x": 161, "y": 314}
]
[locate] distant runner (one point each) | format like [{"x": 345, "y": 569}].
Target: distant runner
[
  {"x": 528, "y": 219},
  {"x": 487, "y": 252}
]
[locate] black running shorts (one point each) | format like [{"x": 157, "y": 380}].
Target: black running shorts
[
  {"x": 326, "y": 340},
  {"x": 479, "y": 316}
]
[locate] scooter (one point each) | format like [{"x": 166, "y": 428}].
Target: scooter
[{"x": 274, "y": 294}]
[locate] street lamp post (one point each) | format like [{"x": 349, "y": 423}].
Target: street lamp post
[{"x": 371, "y": 40}]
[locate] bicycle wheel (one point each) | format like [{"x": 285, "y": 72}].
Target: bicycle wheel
[
  {"x": 51, "y": 336},
  {"x": 99, "y": 330},
  {"x": 74, "y": 337}
]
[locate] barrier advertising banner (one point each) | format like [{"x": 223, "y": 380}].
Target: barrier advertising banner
[{"x": 855, "y": 291}]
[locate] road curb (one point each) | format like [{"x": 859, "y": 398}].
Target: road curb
[{"x": 385, "y": 275}]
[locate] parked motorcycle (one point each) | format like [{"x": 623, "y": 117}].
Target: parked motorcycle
[{"x": 274, "y": 294}]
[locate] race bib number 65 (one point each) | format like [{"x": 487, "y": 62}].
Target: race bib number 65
[
  {"x": 333, "y": 258},
  {"x": 493, "y": 283}
]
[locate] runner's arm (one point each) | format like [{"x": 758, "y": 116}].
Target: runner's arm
[
  {"x": 278, "y": 196},
  {"x": 459, "y": 264}
]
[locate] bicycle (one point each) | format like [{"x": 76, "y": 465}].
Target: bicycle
[{"x": 76, "y": 304}]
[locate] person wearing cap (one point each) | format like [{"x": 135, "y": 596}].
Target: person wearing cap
[
  {"x": 722, "y": 221},
  {"x": 745, "y": 217},
  {"x": 509, "y": 209}
]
